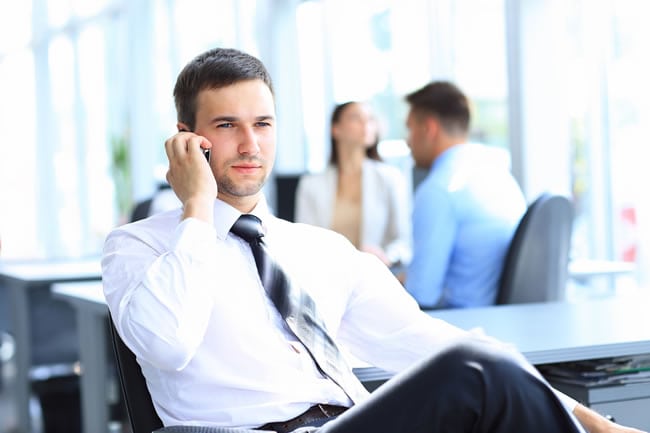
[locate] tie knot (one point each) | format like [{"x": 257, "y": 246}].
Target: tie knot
[{"x": 248, "y": 227}]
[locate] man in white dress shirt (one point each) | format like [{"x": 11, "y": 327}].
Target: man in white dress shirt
[{"x": 185, "y": 296}]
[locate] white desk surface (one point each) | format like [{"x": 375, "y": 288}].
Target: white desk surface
[
  {"x": 88, "y": 292},
  {"x": 585, "y": 268},
  {"x": 562, "y": 331},
  {"x": 52, "y": 270},
  {"x": 544, "y": 332}
]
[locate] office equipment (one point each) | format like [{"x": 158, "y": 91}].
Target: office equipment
[
  {"x": 87, "y": 299},
  {"x": 536, "y": 264},
  {"x": 44, "y": 328}
]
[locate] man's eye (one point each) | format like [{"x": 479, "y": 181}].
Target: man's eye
[
  {"x": 263, "y": 124},
  {"x": 225, "y": 125}
]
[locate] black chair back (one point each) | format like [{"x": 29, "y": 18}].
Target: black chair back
[
  {"x": 285, "y": 192},
  {"x": 139, "y": 406},
  {"x": 536, "y": 264},
  {"x": 141, "y": 210}
]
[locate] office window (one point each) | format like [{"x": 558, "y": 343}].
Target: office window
[
  {"x": 95, "y": 198},
  {"x": 381, "y": 50},
  {"x": 64, "y": 142},
  {"x": 87, "y": 92},
  {"x": 479, "y": 66},
  {"x": 19, "y": 157},
  {"x": 608, "y": 116}
]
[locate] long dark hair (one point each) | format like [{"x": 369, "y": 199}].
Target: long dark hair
[{"x": 371, "y": 152}]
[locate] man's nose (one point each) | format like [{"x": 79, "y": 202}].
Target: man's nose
[{"x": 249, "y": 142}]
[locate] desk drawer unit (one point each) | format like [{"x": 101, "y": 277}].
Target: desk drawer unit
[{"x": 627, "y": 404}]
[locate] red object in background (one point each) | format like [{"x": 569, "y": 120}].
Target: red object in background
[{"x": 629, "y": 250}]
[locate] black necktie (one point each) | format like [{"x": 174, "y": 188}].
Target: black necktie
[{"x": 298, "y": 310}]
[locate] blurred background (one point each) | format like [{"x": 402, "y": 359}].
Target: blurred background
[{"x": 86, "y": 101}]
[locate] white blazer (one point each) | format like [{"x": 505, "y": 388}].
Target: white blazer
[{"x": 385, "y": 206}]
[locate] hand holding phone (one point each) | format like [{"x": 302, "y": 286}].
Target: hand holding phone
[
  {"x": 194, "y": 184},
  {"x": 206, "y": 152}
]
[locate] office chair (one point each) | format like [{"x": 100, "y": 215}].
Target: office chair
[
  {"x": 285, "y": 191},
  {"x": 139, "y": 406},
  {"x": 536, "y": 264},
  {"x": 141, "y": 210}
]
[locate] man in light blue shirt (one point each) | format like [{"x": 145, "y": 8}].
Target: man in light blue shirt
[{"x": 466, "y": 209}]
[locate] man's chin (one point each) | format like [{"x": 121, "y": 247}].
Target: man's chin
[
  {"x": 240, "y": 191},
  {"x": 241, "y": 187}
]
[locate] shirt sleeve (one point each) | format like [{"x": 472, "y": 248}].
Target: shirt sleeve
[
  {"x": 160, "y": 296},
  {"x": 434, "y": 231},
  {"x": 383, "y": 325}
]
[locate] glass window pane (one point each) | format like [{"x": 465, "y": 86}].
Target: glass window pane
[
  {"x": 309, "y": 22},
  {"x": 370, "y": 52},
  {"x": 479, "y": 65},
  {"x": 213, "y": 26},
  {"x": 64, "y": 185},
  {"x": 58, "y": 12},
  {"x": 87, "y": 8},
  {"x": 628, "y": 111},
  {"x": 15, "y": 26},
  {"x": 96, "y": 190},
  {"x": 18, "y": 157}
]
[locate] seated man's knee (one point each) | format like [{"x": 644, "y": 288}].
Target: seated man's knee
[{"x": 464, "y": 356}]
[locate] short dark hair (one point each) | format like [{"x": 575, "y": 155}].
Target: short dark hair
[
  {"x": 372, "y": 152},
  {"x": 445, "y": 101},
  {"x": 215, "y": 68}
]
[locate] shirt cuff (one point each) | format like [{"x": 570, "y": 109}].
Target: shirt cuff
[{"x": 569, "y": 403}]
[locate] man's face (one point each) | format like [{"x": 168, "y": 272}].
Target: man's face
[
  {"x": 417, "y": 140},
  {"x": 239, "y": 121}
]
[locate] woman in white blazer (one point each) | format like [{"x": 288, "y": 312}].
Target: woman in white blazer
[{"x": 358, "y": 195}]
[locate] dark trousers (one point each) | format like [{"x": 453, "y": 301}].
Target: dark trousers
[{"x": 470, "y": 387}]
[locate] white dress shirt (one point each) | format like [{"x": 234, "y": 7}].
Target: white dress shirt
[{"x": 186, "y": 298}]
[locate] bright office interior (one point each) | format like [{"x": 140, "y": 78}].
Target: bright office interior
[{"x": 561, "y": 85}]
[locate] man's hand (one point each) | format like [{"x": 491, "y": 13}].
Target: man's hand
[
  {"x": 377, "y": 251},
  {"x": 596, "y": 423},
  {"x": 190, "y": 176}
]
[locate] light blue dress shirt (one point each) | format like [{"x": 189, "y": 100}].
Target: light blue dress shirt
[{"x": 464, "y": 215}]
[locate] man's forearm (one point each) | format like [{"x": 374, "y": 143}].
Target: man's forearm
[{"x": 593, "y": 422}]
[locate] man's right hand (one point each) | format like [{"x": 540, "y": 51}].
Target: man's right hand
[{"x": 190, "y": 176}]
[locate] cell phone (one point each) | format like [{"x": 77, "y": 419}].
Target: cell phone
[{"x": 206, "y": 152}]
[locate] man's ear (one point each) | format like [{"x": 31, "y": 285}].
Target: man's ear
[
  {"x": 432, "y": 126},
  {"x": 182, "y": 127}
]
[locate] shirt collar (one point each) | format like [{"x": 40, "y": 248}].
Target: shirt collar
[{"x": 225, "y": 215}]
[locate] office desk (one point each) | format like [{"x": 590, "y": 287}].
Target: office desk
[
  {"x": 87, "y": 298},
  {"x": 584, "y": 269},
  {"x": 597, "y": 276},
  {"x": 555, "y": 332},
  {"x": 544, "y": 333},
  {"x": 28, "y": 285}
]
